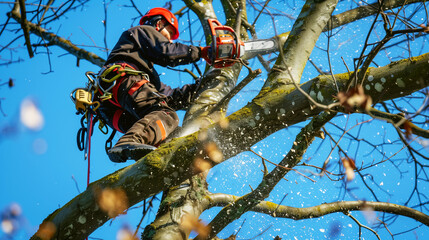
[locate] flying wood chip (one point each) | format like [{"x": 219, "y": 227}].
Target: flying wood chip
[
  {"x": 191, "y": 223},
  {"x": 213, "y": 152},
  {"x": 201, "y": 165},
  {"x": 112, "y": 201},
  {"x": 353, "y": 98},
  {"x": 125, "y": 234}
]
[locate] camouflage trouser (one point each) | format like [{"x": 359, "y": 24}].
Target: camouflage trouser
[{"x": 143, "y": 113}]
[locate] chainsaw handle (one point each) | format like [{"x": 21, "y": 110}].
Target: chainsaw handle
[{"x": 218, "y": 27}]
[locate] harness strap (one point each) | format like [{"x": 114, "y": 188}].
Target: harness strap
[
  {"x": 136, "y": 86},
  {"x": 116, "y": 118},
  {"x": 121, "y": 70},
  {"x": 115, "y": 89}
]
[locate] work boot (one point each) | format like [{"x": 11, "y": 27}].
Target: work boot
[{"x": 131, "y": 150}]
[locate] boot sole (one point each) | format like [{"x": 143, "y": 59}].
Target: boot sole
[{"x": 124, "y": 153}]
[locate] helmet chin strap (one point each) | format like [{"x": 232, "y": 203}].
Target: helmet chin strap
[{"x": 159, "y": 29}]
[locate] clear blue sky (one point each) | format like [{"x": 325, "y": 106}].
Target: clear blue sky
[{"x": 42, "y": 170}]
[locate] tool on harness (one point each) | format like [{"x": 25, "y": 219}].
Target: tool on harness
[{"x": 83, "y": 97}]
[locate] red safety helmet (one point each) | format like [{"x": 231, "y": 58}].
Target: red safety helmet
[{"x": 167, "y": 15}]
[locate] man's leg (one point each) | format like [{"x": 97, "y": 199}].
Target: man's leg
[
  {"x": 152, "y": 129},
  {"x": 157, "y": 121}
]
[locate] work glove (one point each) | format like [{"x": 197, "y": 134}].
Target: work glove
[{"x": 206, "y": 53}]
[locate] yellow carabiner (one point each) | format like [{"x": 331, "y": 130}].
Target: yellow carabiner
[
  {"x": 102, "y": 126},
  {"x": 109, "y": 70},
  {"x": 106, "y": 96}
]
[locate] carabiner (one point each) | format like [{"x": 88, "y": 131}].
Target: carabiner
[{"x": 102, "y": 126}]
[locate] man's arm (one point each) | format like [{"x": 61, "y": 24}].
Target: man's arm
[
  {"x": 179, "y": 98},
  {"x": 159, "y": 50}
]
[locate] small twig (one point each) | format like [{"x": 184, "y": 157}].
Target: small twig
[
  {"x": 25, "y": 28},
  {"x": 238, "y": 20},
  {"x": 286, "y": 168},
  {"x": 75, "y": 183},
  {"x": 361, "y": 225},
  {"x": 345, "y": 64},
  {"x": 105, "y": 26},
  {"x": 136, "y": 8},
  {"x": 280, "y": 203},
  {"x": 241, "y": 226},
  {"x": 92, "y": 40},
  {"x": 385, "y": 225},
  {"x": 260, "y": 12},
  {"x": 145, "y": 211},
  {"x": 329, "y": 57},
  {"x": 45, "y": 11}
]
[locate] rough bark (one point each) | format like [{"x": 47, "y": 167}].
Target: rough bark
[
  {"x": 272, "y": 110},
  {"x": 277, "y": 106},
  {"x": 170, "y": 222},
  {"x": 300, "y": 43}
]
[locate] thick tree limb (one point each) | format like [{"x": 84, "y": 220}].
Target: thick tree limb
[
  {"x": 365, "y": 11},
  {"x": 177, "y": 204},
  {"x": 172, "y": 163},
  {"x": 395, "y": 119},
  {"x": 300, "y": 42},
  {"x": 281, "y": 211}
]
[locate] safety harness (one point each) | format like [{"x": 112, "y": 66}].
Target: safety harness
[
  {"x": 116, "y": 74},
  {"x": 87, "y": 101},
  {"x": 102, "y": 87}
]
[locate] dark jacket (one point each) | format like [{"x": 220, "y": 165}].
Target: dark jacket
[{"x": 143, "y": 46}]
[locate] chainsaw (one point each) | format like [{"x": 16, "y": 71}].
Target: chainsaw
[{"x": 227, "y": 48}]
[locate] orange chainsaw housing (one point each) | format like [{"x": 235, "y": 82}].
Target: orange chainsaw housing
[{"x": 226, "y": 47}]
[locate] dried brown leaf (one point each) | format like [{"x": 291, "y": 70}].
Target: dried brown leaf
[
  {"x": 407, "y": 126},
  {"x": 425, "y": 28},
  {"x": 112, "y": 201},
  {"x": 11, "y": 83},
  {"x": 353, "y": 98},
  {"x": 349, "y": 166}
]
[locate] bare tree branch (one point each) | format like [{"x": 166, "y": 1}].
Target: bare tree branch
[
  {"x": 282, "y": 211},
  {"x": 59, "y": 41}
]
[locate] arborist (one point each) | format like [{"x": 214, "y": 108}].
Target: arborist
[{"x": 138, "y": 103}]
